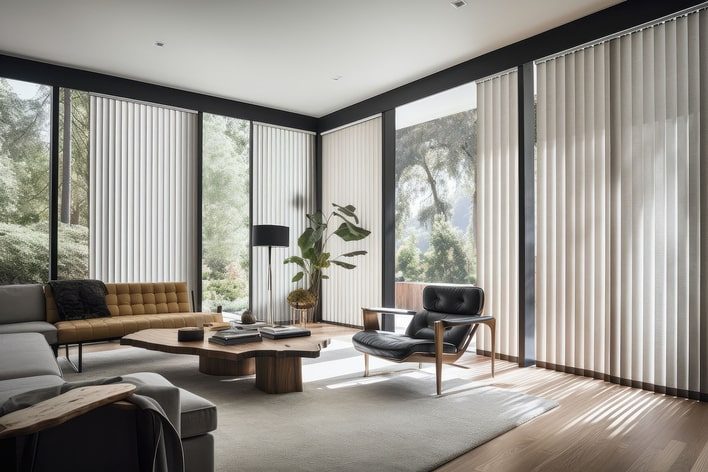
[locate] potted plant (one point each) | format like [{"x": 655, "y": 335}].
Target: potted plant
[{"x": 314, "y": 258}]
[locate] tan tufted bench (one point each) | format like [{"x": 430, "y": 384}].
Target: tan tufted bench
[{"x": 133, "y": 307}]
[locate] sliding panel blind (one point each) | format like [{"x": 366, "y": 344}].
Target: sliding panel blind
[
  {"x": 142, "y": 195},
  {"x": 283, "y": 194},
  {"x": 622, "y": 208},
  {"x": 498, "y": 215},
  {"x": 572, "y": 280},
  {"x": 351, "y": 175},
  {"x": 656, "y": 203}
]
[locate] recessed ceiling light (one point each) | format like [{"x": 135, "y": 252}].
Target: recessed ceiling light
[
  {"x": 458, "y": 3},
  {"x": 336, "y": 77},
  {"x": 160, "y": 44}
]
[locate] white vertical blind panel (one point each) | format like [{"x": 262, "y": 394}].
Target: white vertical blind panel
[
  {"x": 142, "y": 192},
  {"x": 621, "y": 207},
  {"x": 283, "y": 194},
  {"x": 573, "y": 210},
  {"x": 498, "y": 220},
  {"x": 351, "y": 175}
]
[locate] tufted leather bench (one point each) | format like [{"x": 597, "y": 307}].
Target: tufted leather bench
[{"x": 133, "y": 307}]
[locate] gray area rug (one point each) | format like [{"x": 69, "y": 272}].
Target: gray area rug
[{"x": 387, "y": 422}]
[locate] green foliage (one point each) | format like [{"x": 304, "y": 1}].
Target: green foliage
[
  {"x": 435, "y": 163},
  {"x": 225, "y": 212},
  {"x": 409, "y": 261},
  {"x": 24, "y": 253},
  {"x": 446, "y": 260},
  {"x": 24, "y": 155},
  {"x": 313, "y": 241}
]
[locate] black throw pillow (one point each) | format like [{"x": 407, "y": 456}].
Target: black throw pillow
[{"x": 80, "y": 299}]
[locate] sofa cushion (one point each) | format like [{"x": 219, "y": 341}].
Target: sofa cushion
[
  {"x": 198, "y": 414},
  {"x": 26, "y": 355},
  {"x": 48, "y": 330},
  {"x": 113, "y": 327},
  {"x": 11, "y": 387},
  {"x": 395, "y": 346},
  {"x": 128, "y": 299},
  {"x": 21, "y": 303},
  {"x": 147, "y": 298}
]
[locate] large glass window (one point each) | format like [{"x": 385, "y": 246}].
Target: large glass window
[
  {"x": 436, "y": 155},
  {"x": 73, "y": 246},
  {"x": 24, "y": 181},
  {"x": 225, "y": 213}
]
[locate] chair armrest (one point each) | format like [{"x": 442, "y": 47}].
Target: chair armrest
[
  {"x": 371, "y": 318},
  {"x": 465, "y": 321}
]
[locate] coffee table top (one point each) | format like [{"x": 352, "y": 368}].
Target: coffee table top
[{"x": 165, "y": 340}]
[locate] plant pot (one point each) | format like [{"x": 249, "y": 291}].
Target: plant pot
[{"x": 302, "y": 299}]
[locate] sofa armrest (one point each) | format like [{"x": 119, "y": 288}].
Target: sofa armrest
[
  {"x": 449, "y": 323},
  {"x": 62, "y": 408}
]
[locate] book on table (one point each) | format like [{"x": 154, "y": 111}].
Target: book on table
[
  {"x": 235, "y": 336},
  {"x": 284, "y": 331}
]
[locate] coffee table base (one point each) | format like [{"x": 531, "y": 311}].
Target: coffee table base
[
  {"x": 215, "y": 366},
  {"x": 279, "y": 374}
]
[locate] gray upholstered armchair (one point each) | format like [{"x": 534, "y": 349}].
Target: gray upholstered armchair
[{"x": 439, "y": 333}]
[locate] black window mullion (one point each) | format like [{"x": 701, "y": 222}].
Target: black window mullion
[{"x": 54, "y": 185}]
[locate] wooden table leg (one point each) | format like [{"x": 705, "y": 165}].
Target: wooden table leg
[
  {"x": 215, "y": 366},
  {"x": 279, "y": 374}
]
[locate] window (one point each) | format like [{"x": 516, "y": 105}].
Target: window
[
  {"x": 436, "y": 153},
  {"x": 73, "y": 230},
  {"x": 24, "y": 181},
  {"x": 225, "y": 213}
]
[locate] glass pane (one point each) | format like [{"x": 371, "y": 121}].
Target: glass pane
[
  {"x": 24, "y": 181},
  {"x": 225, "y": 213},
  {"x": 72, "y": 252},
  {"x": 436, "y": 141}
]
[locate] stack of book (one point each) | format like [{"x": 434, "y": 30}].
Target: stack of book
[
  {"x": 282, "y": 332},
  {"x": 229, "y": 337}
]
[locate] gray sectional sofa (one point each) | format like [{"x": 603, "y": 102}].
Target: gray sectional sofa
[{"x": 103, "y": 439}]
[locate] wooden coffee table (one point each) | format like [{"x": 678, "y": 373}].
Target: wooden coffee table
[{"x": 276, "y": 363}]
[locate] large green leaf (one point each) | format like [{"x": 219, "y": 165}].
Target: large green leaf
[
  {"x": 310, "y": 254},
  {"x": 295, "y": 260},
  {"x": 316, "y": 218},
  {"x": 298, "y": 276},
  {"x": 309, "y": 238},
  {"x": 346, "y": 265},
  {"x": 348, "y": 210},
  {"x": 350, "y": 232},
  {"x": 323, "y": 261},
  {"x": 354, "y": 253}
]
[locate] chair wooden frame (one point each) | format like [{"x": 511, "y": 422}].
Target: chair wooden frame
[{"x": 371, "y": 322}]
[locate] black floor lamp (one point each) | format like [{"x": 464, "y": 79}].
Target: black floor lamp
[{"x": 271, "y": 236}]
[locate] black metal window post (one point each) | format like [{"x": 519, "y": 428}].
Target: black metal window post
[
  {"x": 527, "y": 228},
  {"x": 388, "y": 181},
  {"x": 54, "y": 185},
  {"x": 199, "y": 213}
]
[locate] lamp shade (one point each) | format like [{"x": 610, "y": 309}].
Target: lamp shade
[{"x": 270, "y": 235}]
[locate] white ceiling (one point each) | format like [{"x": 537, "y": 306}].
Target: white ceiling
[{"x": 277, "y": 53}]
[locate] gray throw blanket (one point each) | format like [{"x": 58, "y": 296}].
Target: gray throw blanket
[{"x": 161, "y": 443}]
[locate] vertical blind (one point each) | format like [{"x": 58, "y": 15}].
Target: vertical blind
[
  {"x": 142, "y": 197},
  {"x": 498, "y": 216},
  {"x": 622, "y": 221},
  {"x": 351, "y": 175},
  {"x": 283, "y": 193}
]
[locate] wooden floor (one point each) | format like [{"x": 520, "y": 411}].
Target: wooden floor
[{"x": 598, "y": 426}]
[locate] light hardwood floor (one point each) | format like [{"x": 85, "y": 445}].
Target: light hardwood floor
[{"x": 598, "y": 426}]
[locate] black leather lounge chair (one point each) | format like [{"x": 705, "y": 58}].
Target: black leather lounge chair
[{"x": 439, "y": 333}]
